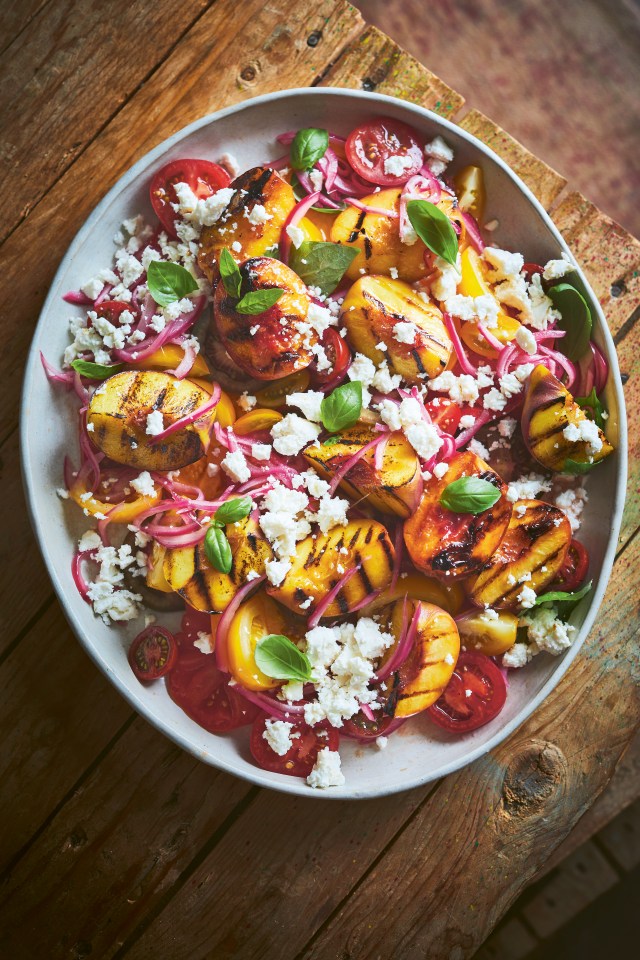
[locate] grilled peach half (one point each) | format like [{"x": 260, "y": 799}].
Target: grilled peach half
[
  {"x": 449, "y": 596},
  {"x": 427, "y": 670},
  {"x": 259, "y": 186},
  {"x": 549, "y": 409},
  {"x": 531, "y": 554},
  {"x": 370, "y": 311},
  {"x": 362, "y": 546},
  {"x": 189, "y": 573},
  {"x": 393, "y": 488},
  {"x": 449, "y": 545},
  {"x": 117, "y": 419},
  {"x": 267, "y": 345},
  {"x": 377, "y": 238}
]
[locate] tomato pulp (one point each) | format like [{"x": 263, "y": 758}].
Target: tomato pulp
[
  {"x": 384, "y": 152},
  {"x": 153, "y": 653},
  {"x": 475, "y": 695}
]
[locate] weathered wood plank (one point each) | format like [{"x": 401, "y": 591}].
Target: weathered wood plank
[
  {"x": 15, "y": 15},
  {"x": 621, "y": 838},
  {"x": 115, "y": 849},
  {"x": 542, "y": 180},
  {"x": 492, "y": 826},
  {"x": 375, "y": 62},
  {"x": 56, "y": 715},
  {"x": 65, "y": 78},
  {"x": 180, "y": 91},
  {"x": 608, "y": 254}
]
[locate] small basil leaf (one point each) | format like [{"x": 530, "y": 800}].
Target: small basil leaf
[
  {"x": 592, "y": 403},
  {"x": 331, "y": 441},
  {"x": 469, "y": 495},
  {"x": 307, "y": 147},
  {"x": 561, "y": 596},
  {"x": 257, "y": 301},
  {"x": 233, "y": 510},
  {"x": 434, "y": 229},
  {"x": 230, "y": 273},
  {"x": 273, "y": 252},
  {"x": 168, "y": 282},
  {"x": 95, "y": 371},
  {"x": 576, "y": 468},
  {"x": 217, "y": 549},
  {"x": 575, "y": 319},
  {"x": 342, "y": 407},
  {"x": 322, "y": 264},
  {"x": 279, "y": 658}
]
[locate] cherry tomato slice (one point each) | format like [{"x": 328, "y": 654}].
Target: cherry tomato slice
[
  {"x": 300, "y": 759},
  {"x": 111, "y": 309},
  {"x": 475, "y": 695},
  {"x": 373, "y": 143},
  {"x": 361, "y": 728},
  {"x": 573, "y": 571},
  {"x": 445, "y": 415},
  {"x": 153, "y": 653},
  {"x": 203, "y": 176},
  {"x": 338, "y": 355}
]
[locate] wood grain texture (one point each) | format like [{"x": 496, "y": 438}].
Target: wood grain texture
[
  {"x": 541, "y": 179},
  {"x": 15, "y": 15},
  {"x": 65, "y": 78},
  {"x": 179, "y": 91},
  {"x": 377, "y": 63}
]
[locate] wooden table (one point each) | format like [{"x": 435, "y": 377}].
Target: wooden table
[{"x": 114, "y": 842}]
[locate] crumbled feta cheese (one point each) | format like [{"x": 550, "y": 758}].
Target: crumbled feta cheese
[
  {"x": 201, "y": 213},
  {"x": 317, "y": 180},
  {"x": 517, "y": 656},
  {"x": 143, "y": 484},
  {"x": 332, "y": 512},
  {"x": 236, "y": 246},
  {"x": 257, "y": 215},
  {"x": 246, "y": 402},
  {"x": 439, "y": 150},
  {"x": 505, "y": 264},
  {"x": 277, "y": 733},
  {"x": 89, "y": 541},
  {"x": 261, "y": 451},
  {"x": 440, "y": 470},
  {"x": 541, "y": 312},
  {"x": 528, "y": 487},
  {"x": 155, "y": 423},
  {"x": 478, "y": 448},
  {"x": 423, "y": 436},
  {"x": 444, "y": 286},
  {"x": 405, "y": 332},
  {"x": 236, "y": 466},
  {"x": 555, "y": 269},
  {"x": 309, "y": 402},
  {"x": 296, "y": 235},
  {"x": 494, "y": 400},
  {"x": 526, "y": 340},
  {"x": 572, "y": 502},
  {"x": 292, "y": 434},
  {"x": 506, "y": 427},
  {"x": 389, "y": 414},
  {"x": 204, "y": 642},
  {"x": 585, "y": 431},
  {"x": 527, "y": 597},
  {"x": 326, "y": 772},
  {"x": 381, "y": 742},
  {"x": 396, "y": 164},
  {"x": 546, "y": 632},
  {"x": 393, "y": 273},
  {"x": 276, "y": 571}
]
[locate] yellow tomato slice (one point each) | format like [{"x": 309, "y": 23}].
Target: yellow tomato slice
[
  {"x": 155, "y": 571},
  {"x": 275, "y": 394},
  {"x": 416, "y": 586},
  {"x": 256, "y": 420},
  {"x": 168, "y": 358},
  {"x": 255, "y": 619},
  {"x": 225, "y": 411},
  {"x": 470, "y": 190},
  {"x": 473, "y": 284},
  {"x": 123, "y": 512},
  {"x": 311, "y": 230}
]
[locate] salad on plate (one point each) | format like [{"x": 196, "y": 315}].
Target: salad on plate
[{"x": 343, "y": 434}]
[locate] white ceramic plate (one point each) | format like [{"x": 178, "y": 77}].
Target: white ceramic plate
[{"x": 419, "y": 752}]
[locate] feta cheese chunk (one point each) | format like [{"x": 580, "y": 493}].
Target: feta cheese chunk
[
  {"x": 292, "y": 434},
  {"x": 277, "y": 733},
  {"x": 327, "y": 770}
]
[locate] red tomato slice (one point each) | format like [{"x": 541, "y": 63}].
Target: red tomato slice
[
  {"x": 446, "y": 414},
  {"x": 475, "y": 695},
  {"x": 203, "y": 176},
  {"x": 111, "y": 309},
  {"x": 339, "y": 357},
  {"x": 300, "y": 759},
  {"x": 361, "y": 728},
  {"x": 573, "y": 571},
  {"x": 153, "y": 653},
  {"x": 201, "y": 690},
  {"x": 369, "y": 145}
]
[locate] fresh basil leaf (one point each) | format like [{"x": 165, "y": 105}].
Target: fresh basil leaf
[
  {"x": 257, "y": 301},
  {"x": 434, "y": 229},
  {"x": 307, "y": 147},
  {"x": 217, "y": 549},
  {"x": 576, "y": 468},
  {"x": 322, "y": 264},
  {"x": 279, "y": 658},
  {"x": 233, "y": 510},
  {"x": 95, "y": 371},
  {"x": 575, "y": 319},
  {"x": 273, "y": 252},
  {"x": 561, "y": 596},
  {"x": 331, "y": 441},
  {"x": 592, "y": 403},
  {"x": 342, "y": 407},
  {"x": 230, "y": 273},
  {"x": 168, "y": 282},
  {"x": 469, "y": 495}
]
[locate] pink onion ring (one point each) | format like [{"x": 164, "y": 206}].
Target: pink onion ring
[
  {"x": 315, "y": 617},
  {"x": 403, "y": 648},
  {"x": 463, "y": 361},
  {"x": 294, "y": 217},
  {"x": 225, "y": 621},
  {"x": 190, "y": 418}
]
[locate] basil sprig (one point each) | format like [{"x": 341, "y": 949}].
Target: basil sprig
[
  {"x": 469, "y": 495},
  {"x": 561, "y": 596},
  {"x": 279, "y": 658},
  {"x": 434, "y": 229},
  {"x": 257, "y": 301},
  {"x": 168, "y": 282},
  {"x": 322, "y": 264},
  {"x": 216, "y": 545},
  {"x": 230, "y": 273},
  {"x": 342, "y": 407},
  {"x": 307, "y": 147},
  {"x": 577, "y": 468},
  {"x": 95, "y": 371},
  {"x": 575, "y": 319},
  {"x": 592, "y": 403}
]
